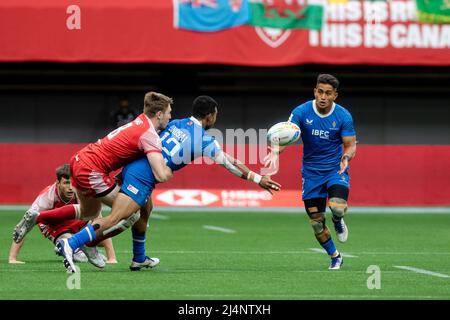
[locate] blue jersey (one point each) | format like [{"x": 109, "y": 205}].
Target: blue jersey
[
  {"x": 184, "y": 140},
  {"x": 322, "y": 135}
]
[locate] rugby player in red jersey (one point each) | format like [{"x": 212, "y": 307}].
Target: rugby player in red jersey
[
  {"x": 91, "y": 168},
  {"x": 57, "y": 195}
]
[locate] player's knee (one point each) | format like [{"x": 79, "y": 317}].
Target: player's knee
[
  {"x": 317, "y": 221},
  {"x": 338, "y": 207}
]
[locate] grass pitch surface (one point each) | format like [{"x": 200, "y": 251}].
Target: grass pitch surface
[{"x": 246, "y": 256}]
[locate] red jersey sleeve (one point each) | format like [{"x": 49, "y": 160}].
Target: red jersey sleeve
[
  {"x": 149, "y": 141},
  {"x": 46, "y": 199}
]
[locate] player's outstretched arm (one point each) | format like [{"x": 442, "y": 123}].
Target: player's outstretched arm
[
  {"x": 160, "y": 170},
  {"x": 14, "y": 252},
  {"x": 349, "y": 152},
  {"x": 242, "y": 171}
]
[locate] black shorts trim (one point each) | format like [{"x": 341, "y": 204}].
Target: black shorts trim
[
  {"x": 319, "y": 203},
  {"x": 338, "y": 191},
  {"x": 106, "y": 192}
]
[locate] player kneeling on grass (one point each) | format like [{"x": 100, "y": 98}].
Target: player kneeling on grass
[{"x": 57, "y": 195}]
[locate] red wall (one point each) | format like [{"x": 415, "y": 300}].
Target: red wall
[{"x": 380, "y": 174}]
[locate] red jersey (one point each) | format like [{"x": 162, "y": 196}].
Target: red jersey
[
  {"x": 48, "y": 199},
  {"x": 122, "y": 145}
]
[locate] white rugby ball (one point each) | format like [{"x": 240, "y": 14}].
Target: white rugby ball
[{"x": 283, "y": 134}]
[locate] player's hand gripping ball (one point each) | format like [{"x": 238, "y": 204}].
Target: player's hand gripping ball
[{"x": 283, "y": 134}]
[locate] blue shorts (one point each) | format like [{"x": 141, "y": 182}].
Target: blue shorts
[
  {"x": 138, "y": 180},
  {"x": 315, "y": 184}
]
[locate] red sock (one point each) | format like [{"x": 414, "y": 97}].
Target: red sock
[{"x": 57, "y": 215}]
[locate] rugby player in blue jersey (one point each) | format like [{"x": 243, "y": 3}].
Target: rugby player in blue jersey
[
  {"x": 183, "y": 140},
  {"x": 329, "y": 143}
]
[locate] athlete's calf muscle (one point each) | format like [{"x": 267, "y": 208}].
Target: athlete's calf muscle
[{"x": 123, "y": 207}]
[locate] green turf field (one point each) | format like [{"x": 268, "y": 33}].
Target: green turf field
[{"x": 268, "y": 256}]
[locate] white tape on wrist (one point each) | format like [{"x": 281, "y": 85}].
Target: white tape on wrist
[{"x": 257, "y": 178}]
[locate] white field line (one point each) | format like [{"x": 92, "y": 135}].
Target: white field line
[
  {"x": 14, "y": 208},
  {"x": 41, "y": 271},
  {"x": 400, "y": 210},
  {"x": 423, "y": 271},
  {"x": 284, "y": 252},
  {"x": 404, "y": 253},
  {"x": 342, "y": 253},
  {"x": 275, "y": 210},
  {"x": 351, "y": 210},
  {"x": 159, "y": 216},
  {"x": 221, "y": 252},
  {"x": 220, "y": 229}
]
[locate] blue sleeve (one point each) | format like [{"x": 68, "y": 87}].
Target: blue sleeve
[
  {"x": 210, "y": 147},
  {"x": 295, "y": 116},
  {"x": 347, "y": 126}
]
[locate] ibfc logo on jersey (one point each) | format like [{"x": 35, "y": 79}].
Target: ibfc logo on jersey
[{"x": 322, "y": 134}]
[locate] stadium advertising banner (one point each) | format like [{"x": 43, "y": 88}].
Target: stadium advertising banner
[
  {"x": 387, "y": 175},
  {"x": 228, "y": 198},
  {"x": 243, "y": 32}
]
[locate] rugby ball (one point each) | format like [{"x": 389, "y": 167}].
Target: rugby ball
[{"x": 283, "y": 134}]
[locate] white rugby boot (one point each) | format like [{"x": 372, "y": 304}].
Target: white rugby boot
[
  {"x": 25, "y": 225},
  {"x": 64, "y": 250},
  {"x": 104, "y": 258},
  {"x": 341, "y": 229},
  {"x": 148, "y": 263},
  {"x": 93, "y": 256},
  {"x": 336, "y": 263},
  {"x": 79, "y": 256}
]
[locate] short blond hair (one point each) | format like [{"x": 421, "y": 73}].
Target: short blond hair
[{"x": 154, "y": 102}]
